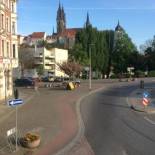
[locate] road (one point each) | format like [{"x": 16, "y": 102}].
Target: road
[{"x": 113, "y": 128}]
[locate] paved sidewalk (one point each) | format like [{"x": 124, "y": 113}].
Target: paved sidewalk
[
  {"x": 24, "y": 94},
  {"x": 53, "y": 115}
]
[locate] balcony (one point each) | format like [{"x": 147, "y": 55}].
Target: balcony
[
  {"x": 49, "y": 63},
  {"x": 38, "y": 55},
  {"x": 49, "y": 68},
  {"x": 38, "y": 62},
  {"x": 50, "y": 57}
]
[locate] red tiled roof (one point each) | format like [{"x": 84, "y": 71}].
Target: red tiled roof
[{"x": 38, "y": 34}]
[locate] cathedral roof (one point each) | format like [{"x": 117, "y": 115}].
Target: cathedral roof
[{"x": 69, "y": 33}]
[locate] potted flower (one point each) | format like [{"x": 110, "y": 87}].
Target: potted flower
[{"x": 31, "y": 140}]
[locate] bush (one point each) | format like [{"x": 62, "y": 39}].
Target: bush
[
  {"x": 151, "y": 74},
  {"x": 139, "y": 73},
  {"x": 113, "y": 76}
]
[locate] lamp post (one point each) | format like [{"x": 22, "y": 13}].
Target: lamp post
[
  {"x": 5, "y": 75},
  {"x": 90, "y": 74}
]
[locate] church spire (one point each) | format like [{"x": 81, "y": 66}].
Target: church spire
[
  {"x": 87, "y": 20},
  {"x": 61, "y": 19},
  {"x": 59, "y": 5},
  {"x": 118, "y": 24},
  {"x": 118, "y": 27}
]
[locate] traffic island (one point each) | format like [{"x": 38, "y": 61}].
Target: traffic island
[{"x": 139, "y": 102}]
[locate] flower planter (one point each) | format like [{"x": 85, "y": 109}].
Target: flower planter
[{"x": 31, "y": 140}]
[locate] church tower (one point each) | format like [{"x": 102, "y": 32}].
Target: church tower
[
  {"x": 61, "y": 19},
  {"x": 87, "y": 24},
  {"x": 119, "y": 31}
]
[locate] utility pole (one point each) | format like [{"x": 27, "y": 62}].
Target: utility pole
[{"x": 90, "y": 67}]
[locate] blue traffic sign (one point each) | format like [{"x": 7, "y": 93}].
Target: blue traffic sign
[
  {"x": 146, "y": 94},
  {"x": 15, "y": 102}
]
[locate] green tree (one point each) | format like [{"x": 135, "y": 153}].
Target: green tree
[
  {"x": 123, "y": 48},
  {"x": 40, "y": 70},
  {"x": 90, "y": 40},
  {"x": 79, "y": 55}
]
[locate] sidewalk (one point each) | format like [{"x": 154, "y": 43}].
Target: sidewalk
[
  {"x": 25, "y": 95},
  {"x": 52, "y": 114}
]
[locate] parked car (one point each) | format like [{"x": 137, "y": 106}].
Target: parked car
[
  {"x": 58, "y": 79},
  {"x": 24, "y": 82},
  {"x": 48, "y": 79},
  {"x": 45, "y": 79}
]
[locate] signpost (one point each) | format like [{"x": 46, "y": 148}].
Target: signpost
[
  {"x": 145, "y": 100},
  {"x": 15, "y": 103}
]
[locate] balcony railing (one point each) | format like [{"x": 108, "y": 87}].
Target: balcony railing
[{"x": 36, "y": 55}]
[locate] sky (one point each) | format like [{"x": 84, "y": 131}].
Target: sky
[{"x": 135, "y": 16}]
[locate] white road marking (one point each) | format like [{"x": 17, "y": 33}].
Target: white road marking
[{"x": 149, "y": 120}]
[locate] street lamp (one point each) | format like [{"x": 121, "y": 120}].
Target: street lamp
[
  {"x": 5, "y": 75},
  {"x": 90, "y": 74}
]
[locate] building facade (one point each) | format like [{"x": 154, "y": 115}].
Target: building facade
[
  {"x": 8, "y": 46},
  {"x": 34, "y": 38},
  {"x": 49, "y": 59}
]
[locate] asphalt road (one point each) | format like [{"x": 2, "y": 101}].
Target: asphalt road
[{"x": 113, "y": 128}]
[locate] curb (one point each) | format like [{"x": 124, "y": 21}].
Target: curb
[{"x": 81, "y": 126}]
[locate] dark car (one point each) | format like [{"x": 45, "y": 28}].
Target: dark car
[
  {"x": 24, "y": 82},
  {"x": 58, "y": 79}
]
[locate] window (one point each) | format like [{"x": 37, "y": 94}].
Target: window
[
  {"x": 7, "y": 47},
  {"x": 2, "y": 20},
  {"x": 3, "y": 47},
  {"x": 14, "y": 51},
  {"x": 7, "y": 24},
  {"x": 13, "y": 28},
  {"x": 13, "y": 7}
]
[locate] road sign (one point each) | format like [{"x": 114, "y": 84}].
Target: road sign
[
  {"x": 146, "y": 94},
  {"x": 11, "y": 132},
  {"x": 145, "y": 101},
  {"x": 15, "y": 102}
]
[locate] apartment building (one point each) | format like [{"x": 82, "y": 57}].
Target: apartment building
[
  {"x": 49, "y": 59},
  {"x": 8, "y": 46},
  {"x": 52, "y": 58}
]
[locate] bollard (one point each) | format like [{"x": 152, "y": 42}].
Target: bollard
[
  {"x": 16, "y": 93},
  {"x": 142, "y": 84}
]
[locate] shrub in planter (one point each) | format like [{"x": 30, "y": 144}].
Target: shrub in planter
[
  {"x": 152, "y": 74},
  {"x": 139, "y": 73},
  {"x": 31, "y": 140},
  {"x": 113, "y": 76}
]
